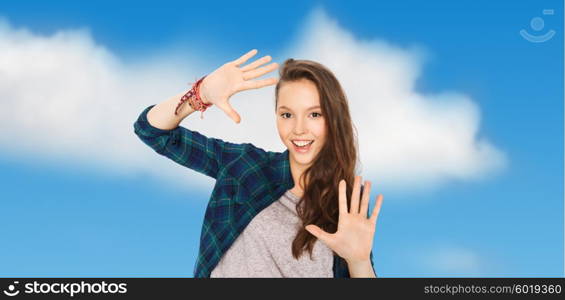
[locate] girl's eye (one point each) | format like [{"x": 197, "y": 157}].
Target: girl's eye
[{"x": 315, "y": 114}]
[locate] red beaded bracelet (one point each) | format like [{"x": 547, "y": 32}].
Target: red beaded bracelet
[{"x": 194, "y": 100}]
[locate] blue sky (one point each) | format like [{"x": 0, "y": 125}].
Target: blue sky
[{"x": 73, "y": 216}]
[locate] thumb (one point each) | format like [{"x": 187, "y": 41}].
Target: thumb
[
  {"x": 319, "y": 233},
  {"x": 226, "y": 107}
]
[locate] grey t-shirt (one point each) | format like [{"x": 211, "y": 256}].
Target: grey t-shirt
[{"x": 264, "y": 248}]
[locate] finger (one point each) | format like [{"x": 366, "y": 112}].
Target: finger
[
  {"x": 226, "y": 107},
  {"x": 342, "y": 197},
  {"x": 355, "y": 195},
  {"x": 255, "y": 64},
  {"x": 365, "y": 199},
  {"x": 376, "y": 209},
  {"x": 245, "y": 57},
  {"x": 256, "y": 84},
  {"x": 260, "y": 72},
  {"x": 320, "y": 234}
]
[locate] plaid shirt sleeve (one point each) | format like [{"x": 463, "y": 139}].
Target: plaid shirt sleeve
[{"x": 187, "y": 147}]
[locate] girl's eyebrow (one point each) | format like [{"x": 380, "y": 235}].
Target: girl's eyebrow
[{"x": 309, "y": 108}]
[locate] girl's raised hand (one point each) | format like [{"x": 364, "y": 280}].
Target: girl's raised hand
[
  {"x": 353, "y": 239},
  {"x": 231, "y": 78}
]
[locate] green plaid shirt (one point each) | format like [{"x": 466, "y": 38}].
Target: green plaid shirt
[{"x": 248, "y": 179}]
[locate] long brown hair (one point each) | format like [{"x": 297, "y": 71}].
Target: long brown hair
[{"x": 335, "y": 161}]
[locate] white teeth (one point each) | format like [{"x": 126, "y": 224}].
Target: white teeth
[{"x": 301, "y": 143}]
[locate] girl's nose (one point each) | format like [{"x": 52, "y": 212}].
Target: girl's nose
[{"x": 299, "y": 127}]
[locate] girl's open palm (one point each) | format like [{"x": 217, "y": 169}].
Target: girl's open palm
[
  {"x": 353, "y": 239},
  {"x": 230, "y": 78}
]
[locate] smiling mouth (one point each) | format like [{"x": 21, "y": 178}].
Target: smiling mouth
[
  {"x": 302, "y": 143},
  {"x": 302, "y": 146}
]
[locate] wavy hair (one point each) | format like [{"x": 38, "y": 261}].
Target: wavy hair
[{"x": 336, "y": 160}]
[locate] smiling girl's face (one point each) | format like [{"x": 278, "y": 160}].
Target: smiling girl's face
[{"x": 300, "y": 123}]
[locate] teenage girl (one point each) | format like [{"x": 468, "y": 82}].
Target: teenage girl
[{"x": 267, "y": 208}]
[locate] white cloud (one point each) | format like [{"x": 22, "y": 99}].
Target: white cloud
[
  {"x": 66, "y": 97},
  {"x": 449, "y": 261},
  {"x": 407, "y": 139}
]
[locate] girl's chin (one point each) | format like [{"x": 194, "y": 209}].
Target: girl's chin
[{"x": 302, "y": 158}]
